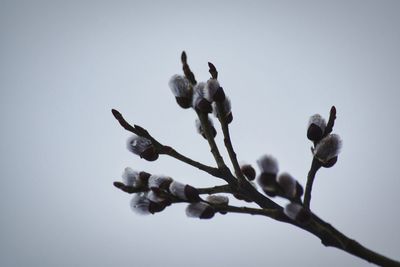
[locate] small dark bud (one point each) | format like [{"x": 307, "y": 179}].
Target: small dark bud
[
  {"x": 316, "y": 128},
  {"x": 248, "y": 171}
]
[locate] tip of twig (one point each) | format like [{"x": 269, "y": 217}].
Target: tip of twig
[
  {"x": 183, "y": 57},
  {"x": 213, "y": 70},
  {"x": 116, "y": 113},
  {"x": 118, "y": 185}
]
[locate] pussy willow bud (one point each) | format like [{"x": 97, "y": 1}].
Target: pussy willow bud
[
  {"x": 159, "y": 182},
  {"x": 297, "y": 213},
  {"x": 288, "y": 185},
  {"x": 199, "y": 102},
  {"x": 218, "y": 200},
  {"x": 200, "y": 130},
  {"x": 328, "y": 148},
  {"x": 225, "y": 112},
  {"x": 142, "y": 205},
  {"x": 248, "y": 171},
  {"x": 316, "y": 127},
  {"x": 182, "y": 91},
  {"x": 213, "y": 91},
  {"x": 130, "y": 177},
  {"x": 269, "y": 170},
  {"x": 200, "y": 210},
  {"x": 184, "y": 191},
  {"x": 142, "y": 147}
]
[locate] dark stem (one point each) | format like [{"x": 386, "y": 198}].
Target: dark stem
[{"x": 315, "y": 165}]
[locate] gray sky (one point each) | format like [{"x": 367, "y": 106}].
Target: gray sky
[{"x": 65, "y": 64}]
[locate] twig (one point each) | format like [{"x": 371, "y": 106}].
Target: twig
[{"x": 315, "y": 165}]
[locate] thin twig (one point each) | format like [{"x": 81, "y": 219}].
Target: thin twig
[{"x": 315, "y": 165}]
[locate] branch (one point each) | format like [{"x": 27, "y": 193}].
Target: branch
[
  {"x": 162, "y": 149},
  {"x": 315, "y": 165}
]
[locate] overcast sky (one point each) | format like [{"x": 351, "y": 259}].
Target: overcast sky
[{"x": 65, "y": 64}]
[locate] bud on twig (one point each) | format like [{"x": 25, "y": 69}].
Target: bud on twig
[
  {"x": 248, "y": 171},
  {"x": 218, "y": 200},
  {"x": 213, "y": 91},
  {"x": 200, "y": 129},
  {"x": 225, "y": 113},
  {"x": 200, "y": 210},
  {"x": 142, "y": 205},
  {"x": 297, "y": 213},
  {"x": 142, "y": 147},
  {"x": 184, "y": 191},
  {"x": 200, "y": 103},
  {"x": 316, "y": 127},
  {"x": 328, "y": 148},
  {"x": 269, "y": 170},
  {"x": 158, "y": 182},
  {"x": 288, "y": 185},
  {"x": 182, "y": 91}
]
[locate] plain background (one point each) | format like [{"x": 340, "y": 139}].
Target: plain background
[{"x": 65, "y": 64}]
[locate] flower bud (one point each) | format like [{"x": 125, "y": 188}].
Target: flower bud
[
  {"x": 316, "y": 127},
  {"x": 200, "y": 103},
  {"x": 218, "y": 200},
  {"x": 268, "y": 164},
  {"x": 200, "y": 130},
  {"x": 200, "y": 210},
  {"x": 297, "y": 213},
  {"x": 142, "y": 205},
  {"x": 288, "y": 185},
  {"x": 184, "y": 191},
  {"x": 213, "y": 91},
  {"x": 159, "y": 182},
  {"x": 180, "y": 87},
  {"x": 328, "y": 148},
  {"x": 225, "y": 112},
  {"x": 142, "y": 147},
  {"x": 248, "y": 171},
  {"x": 130, "y": 177}
]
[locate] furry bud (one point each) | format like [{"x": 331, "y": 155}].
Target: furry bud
[
  {"x": 200, "y": 210},
  {"x": 142, "y": 147},
  {"x": 288, "y": 185},
  {"x": 159, "y": 182},
  {"x": 268, "y": 164},
  {"x": 297, "y": 213},
  {"x": 213, "y": 91},
  {"x": 248, "y": 171},
  {"x": 218, "y": 200},
  {"x": 184, "y": 191},
  {"x": 224, "y": 112},
  {"x": 182, "y": 91},
  {"x": 200, "y": 130},
  {"x": 200, "y": 103},
  {"x": 328, "y": 148},
  {"x": 316, "y": 127},
  {"x": 130, "y": 177},
  {"x": 142, "y": 205}
]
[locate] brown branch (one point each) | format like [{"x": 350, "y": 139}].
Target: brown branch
[{"x": 315, "y": 166}]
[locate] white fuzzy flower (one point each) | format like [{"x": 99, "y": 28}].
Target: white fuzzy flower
[{"x": 328, "y": 148}]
